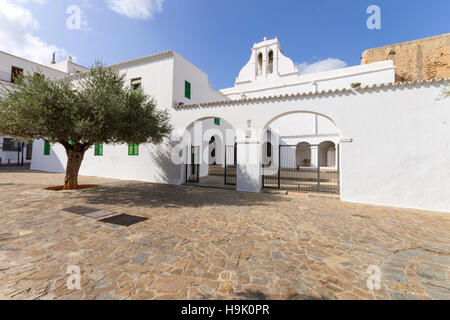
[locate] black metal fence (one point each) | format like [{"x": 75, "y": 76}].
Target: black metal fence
[
  {"x": 193, "y": 165},
  {"x": 290, "y": 175},
  {"x": 230, "y": 165}
]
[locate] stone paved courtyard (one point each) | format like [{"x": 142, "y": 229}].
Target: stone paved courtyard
[{"x": 203, "y": 243}]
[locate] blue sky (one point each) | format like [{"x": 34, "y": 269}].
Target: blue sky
[{"x": 215, "y": 35}]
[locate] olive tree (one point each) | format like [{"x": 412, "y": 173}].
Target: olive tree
[{"x": 79, "y": 111}]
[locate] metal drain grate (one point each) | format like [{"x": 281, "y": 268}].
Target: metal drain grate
[
  {"x": 88, "y": 212},
  {"x": 124, "y": 220}
]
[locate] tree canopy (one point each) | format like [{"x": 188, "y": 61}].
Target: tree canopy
[{"x": 78, "y": 111}]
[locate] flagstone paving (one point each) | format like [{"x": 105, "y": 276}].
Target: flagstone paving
[{"x": 203, "y": 243}]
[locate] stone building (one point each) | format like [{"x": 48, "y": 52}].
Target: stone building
[{"x": 422, "y": 59}]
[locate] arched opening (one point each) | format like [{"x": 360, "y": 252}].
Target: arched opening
[
  {"x": 260, "y": 65},
  {"x": 267, "y": 150},
  {"x": 327, "y": 154},
  {"x": 303, "y": 155},
  {"x": 270, "y": 62},
  {"x": 306, "y": 156},
  {"x": 214, "y": 146},
  {"x": 209, "y": 144}
]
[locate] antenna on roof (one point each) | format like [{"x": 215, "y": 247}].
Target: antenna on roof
[{"x": 54, "y": 58}]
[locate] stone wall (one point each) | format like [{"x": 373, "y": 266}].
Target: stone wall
[{"x": 427, "y": 58}]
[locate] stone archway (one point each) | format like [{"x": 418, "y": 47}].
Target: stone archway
[
  {"x": 307, "y": 153},
  {"x": 212, "y": 137}
]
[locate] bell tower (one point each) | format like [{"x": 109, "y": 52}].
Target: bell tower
[{"x": 266, "y": 62}]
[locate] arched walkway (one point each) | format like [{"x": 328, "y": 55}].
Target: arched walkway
[
  {"x": 307, "y": 155},
  {"x": 209, "y": 145},
  {"x": 303, "y": 154},
  {"x": 327, "y": 154}
]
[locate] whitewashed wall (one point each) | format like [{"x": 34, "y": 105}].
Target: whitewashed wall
[
  {"x": 10, "y": 157},
  {"x": 200, "y": 134},
  {"x": 163, "y": 77},
  {"x": 285, "y": 79},
  {"x": 29, "y": 67},
  {"x": 201, "y": 89},
  {"x": 394, "y": 141},
  {"x": 7, "y": 61}
]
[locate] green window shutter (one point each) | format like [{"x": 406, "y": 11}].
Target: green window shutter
[
  {"x": 130, "y": 149},
  {"x": 187, "y": 89},
  {"x": 98, "y": 150},
  {"x": 133, "y": 149},
  {"x": 46, "y": 148},
  {"x": 217, "y": 121}
]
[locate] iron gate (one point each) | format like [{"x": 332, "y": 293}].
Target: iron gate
[
  {"x": 292, "y": 175},
  {"x": 230, "y": 165},
  {"x": 193, "y": 165}
]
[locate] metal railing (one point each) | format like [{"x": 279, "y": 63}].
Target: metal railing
[
  {"x": 193, "y": 165},
  {"x": 289, "y": 175},
  {"x": 230, "y": 165}
]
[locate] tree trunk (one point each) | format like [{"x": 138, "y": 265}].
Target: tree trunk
[{"x": 74, "y": 159}]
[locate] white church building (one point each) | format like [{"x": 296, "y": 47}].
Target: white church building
[{"x": 352, "y": 132}]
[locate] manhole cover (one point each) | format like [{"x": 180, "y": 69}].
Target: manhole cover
[{"x": 124, "y": 220}]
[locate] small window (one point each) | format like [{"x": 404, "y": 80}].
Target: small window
[
  {"x": 29, "y": 151},
  {"x": 133, "y": 149},
  {"x": 217, "y": 121},
  {"x": 40, "y": 75},
  {"x": 98, "y": 150},
  {"x": 136, "y": 83},
  {"x": 270, "y": 63},
  {"x": 269, "y": 150},
  {"x": 187, "y": 89},
  {"x": 260, "y": 65},
  {"x": 16, "y": 73},
  {"x": 46, "y": 148},
  {"x": 10, "y": 145}
]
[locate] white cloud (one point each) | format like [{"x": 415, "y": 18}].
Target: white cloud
[
  {"x": 136, "y": 9},
  {"x": 319, "y": 66},
  {"x": 17, "y": 26}
]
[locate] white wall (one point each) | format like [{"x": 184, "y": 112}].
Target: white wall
[
  {"x": 200, "y": 134},
  {"x": 286, "y": 80},
  {"x": 296, "y": 128},
  {"x": 154, "y": 162},
  {"x": 162, "y": 76},
  {"x": 394, "y": 140},
  {"x": 68, "y": 66},
  {"x": 11, "y": 156},
  {"x": 201, "y": 90},
  {"x": 29, "y": 67},
  {"x": 7, "y": 61},
  {"x": 367, "y": 75}
]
